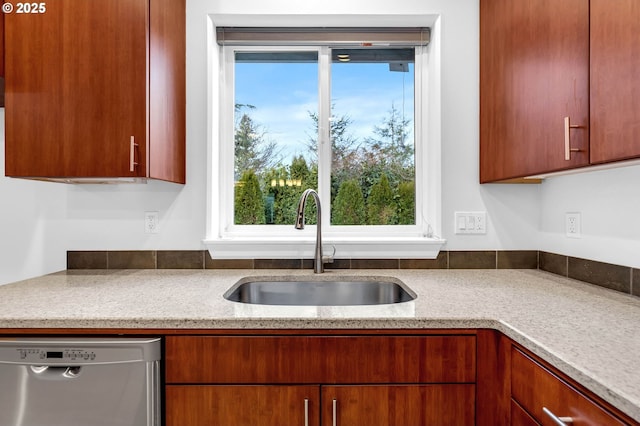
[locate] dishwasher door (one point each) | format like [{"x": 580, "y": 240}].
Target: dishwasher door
[{"x": 79, "y": 382}]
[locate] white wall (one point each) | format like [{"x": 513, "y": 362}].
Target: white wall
[
  {"x": 40, "y": 221},
  {"x": 609, "y": 203}
]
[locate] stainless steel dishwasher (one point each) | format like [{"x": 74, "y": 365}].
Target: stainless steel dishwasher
[{"x": 79, "y": 382}]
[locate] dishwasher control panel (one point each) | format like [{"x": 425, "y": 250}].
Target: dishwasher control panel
[
  {"x": 38, "y": 354},
  {"x": 77, "y": 351}
]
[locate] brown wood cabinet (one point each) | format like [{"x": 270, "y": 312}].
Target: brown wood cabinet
[
  {"x": 96, "y": 89},
  {"x": 615, "y": 80},
  {"x": 374, "y": 380},
  {"x": 542, "y": 61},
  {"x": 371, "y": 405},
  {"x": 534, "y": 72},
  {"x": 535, "y": 387},
  {"x": 264, "y": 405}
]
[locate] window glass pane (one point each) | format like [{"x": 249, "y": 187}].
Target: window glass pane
[
  {"x": 276, "y": 98},
  {"x": 372, "y": 130}
]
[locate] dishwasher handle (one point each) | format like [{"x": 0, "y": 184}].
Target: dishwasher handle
[{"x": 49, "y": 372}]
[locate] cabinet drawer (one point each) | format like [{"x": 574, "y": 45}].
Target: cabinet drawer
[
  {"x": 534, "y": 387},
  {"x": 320, "y": 359}
]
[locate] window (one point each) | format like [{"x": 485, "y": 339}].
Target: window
[{"x": 340, "y": 117}]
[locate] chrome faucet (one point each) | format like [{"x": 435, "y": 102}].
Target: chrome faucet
[{"x": 319, "y": 260}]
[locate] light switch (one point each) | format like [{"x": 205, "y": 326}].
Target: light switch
[{"x": 471, "y": 222}]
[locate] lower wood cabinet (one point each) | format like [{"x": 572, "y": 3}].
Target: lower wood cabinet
[
  {"x": 451, "y": 404},
  {"x": 226, "y": 405},
  {"x": 369, "y": 405},
  {"x": 368, "y": 380},
  {"x": 535, "y": 388}
]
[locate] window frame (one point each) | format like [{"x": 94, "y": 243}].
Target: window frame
[{"x": 227, "y": 240}]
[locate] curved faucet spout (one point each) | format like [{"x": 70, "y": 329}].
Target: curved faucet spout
[{"x": 318, "y": 266}]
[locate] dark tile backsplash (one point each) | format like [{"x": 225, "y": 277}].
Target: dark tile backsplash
[
  {"x": 607, "y": 275},
  {"x": 615, "y": 277},
  {"x": 180, "y": 259},
  {"x": 87, "y": 260},
  {"x": 472, "y": 259},
  {"x": 553, "y": 263},
  {"x": 518, "y": 259}
]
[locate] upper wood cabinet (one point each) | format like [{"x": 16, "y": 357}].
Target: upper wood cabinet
[
  {"x": 96, "y": 89},
  {"x": 559, "y": 85},
  {"x": 615, "y": 80},
  {"x": 534, "y": 72}
]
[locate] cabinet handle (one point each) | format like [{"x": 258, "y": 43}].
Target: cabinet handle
[
  {"x": 567, "y": 138},
  {"x": 335, "y": 412},
  {"x": 132, "y": 154},
  {"x": 306, "y": 412},
  {"x": 560, "y": 421}
]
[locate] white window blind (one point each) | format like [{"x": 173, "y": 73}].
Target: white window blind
[{"x": 266, "y": 36}]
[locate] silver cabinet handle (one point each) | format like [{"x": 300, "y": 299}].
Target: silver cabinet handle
[
  {"x": 306, "y": 412},
  {"x": 567, "y": 138},
  {"x": 560, "y": 421},
  {"x": 335, "y": 412},
  {"x": 132, "y": 154}
]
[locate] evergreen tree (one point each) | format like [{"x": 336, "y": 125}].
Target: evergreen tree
[
  {"x": 252, "y": 150},
  {"x": 407, "y": 203},
  {"x": 348, "y": 208},
  {"x": 248, "y": 201},
  {"x": 381, "y": 207}
]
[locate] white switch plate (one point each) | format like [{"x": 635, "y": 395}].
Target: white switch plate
[
  {"x": 151, "y": 222},
  {"x": 573, "y": 225},
  {"x": 470, "y": 222}
]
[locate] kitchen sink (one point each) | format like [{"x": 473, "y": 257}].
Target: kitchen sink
[{"x": 338, "y": 292}]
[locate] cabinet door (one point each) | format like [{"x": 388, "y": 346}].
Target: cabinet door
[
  {"x": 615, "y": 80},
  {"x": 76, "y": 89},
  {"x": 534, "y": 387},
  {"x": 381, "y": 405},
  {"x": 242, "y": 405},
  {"x": 534, "y": 72}
]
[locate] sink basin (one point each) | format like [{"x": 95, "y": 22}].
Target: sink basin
[{"x": 340, "y": 292}]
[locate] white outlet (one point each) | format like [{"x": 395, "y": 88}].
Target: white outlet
[
  {"x": 470, "y": 222},
  {"x": 151, "y": 222},
  {"x": 573, "y": 225}
]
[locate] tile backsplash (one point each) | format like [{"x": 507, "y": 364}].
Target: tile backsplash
[{"x": 615, "y": 277}]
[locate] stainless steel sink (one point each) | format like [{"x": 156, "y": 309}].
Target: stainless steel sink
[{"x": 340, "y": 292}]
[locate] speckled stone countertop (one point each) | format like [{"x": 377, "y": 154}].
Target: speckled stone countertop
[{"x": 589, "y": 333}]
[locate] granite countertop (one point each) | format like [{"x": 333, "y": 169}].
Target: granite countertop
[{"x": 589, "y": 333}]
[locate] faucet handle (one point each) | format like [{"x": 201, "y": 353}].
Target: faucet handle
[{"x": 328, "y": 258}]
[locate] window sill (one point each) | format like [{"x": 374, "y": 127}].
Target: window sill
[{"x": 303, "y": 247}]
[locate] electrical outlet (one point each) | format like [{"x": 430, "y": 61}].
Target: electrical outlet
[
  {"x": 470, "y": 222},
  {"x": 151, "y": 222},
  {"x": 573, "y": 225}
]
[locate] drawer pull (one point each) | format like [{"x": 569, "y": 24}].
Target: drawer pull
[
  {"x": 560, "y": 421},
  {"x": 335, "y": 413},
  {"x": 306, "y": 412},
  {"x": 132, "y": 154},
  {"x": 567, "y": 138}
]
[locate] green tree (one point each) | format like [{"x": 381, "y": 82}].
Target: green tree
[
  {"x": 381, "y": 206},
  {"x": 407, "y": 203},
  {"x": 284, "y": 186},
  {"x": 348, "y": 208},
  {"x": 248, "y": 201},
  {"x": 252, "y": 149}
]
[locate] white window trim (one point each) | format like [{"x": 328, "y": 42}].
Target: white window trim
[{"x": 227, "y": 241}]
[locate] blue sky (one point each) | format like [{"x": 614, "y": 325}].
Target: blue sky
[{"x": 284, "y": 93}]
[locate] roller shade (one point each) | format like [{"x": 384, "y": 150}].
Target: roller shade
[{"x": 253, "y": 36}]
